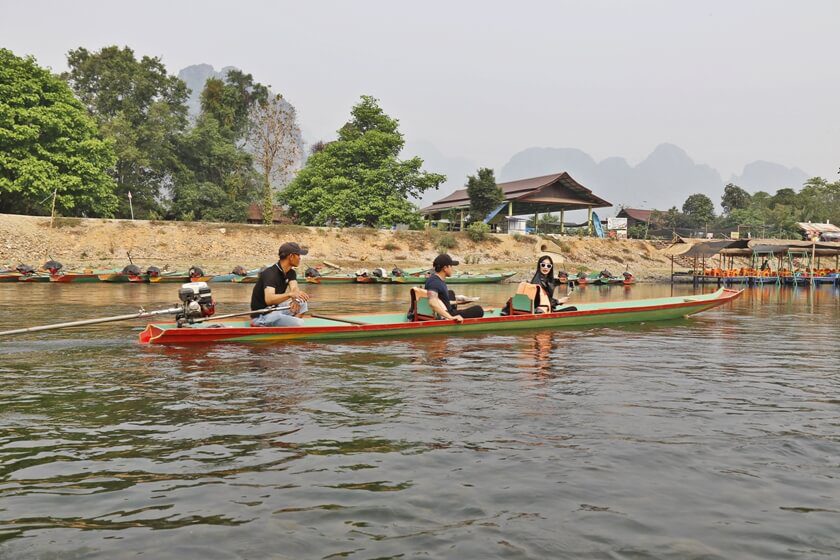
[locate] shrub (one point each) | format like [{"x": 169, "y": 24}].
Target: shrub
[
  {"x": 390, "y": 247},
  {"x": 446, "y": 242},
  {"x": 478, "y": 231}
]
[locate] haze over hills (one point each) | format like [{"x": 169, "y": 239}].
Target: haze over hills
[
  {"x": 769, "y": 177},
  {"x": 665, "y": 178}
]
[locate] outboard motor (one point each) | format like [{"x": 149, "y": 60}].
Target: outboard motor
[
  {"x": 312, "y": 273},
  {"x": 563, "y": 276},
  {"x": 196, "y": 272},
  {"x": 378, "y": 272},
  {"x": 52, "y": 266},
  {"x": 153, "y": 272},
  {"x": 605, "y": 274},
  {"x": 196, "y": 302},
  {"x": 362, "y": 272},
  {"x": 25, "y": 269},
  {"x": 627, "y": 275},
  {"x": 131, "y": 270},
  {"x": 239, "y": 271},
  {"x": 397, "y": 272}
]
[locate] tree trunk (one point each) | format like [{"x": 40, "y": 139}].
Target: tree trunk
[{"x": 268, "y": 202}]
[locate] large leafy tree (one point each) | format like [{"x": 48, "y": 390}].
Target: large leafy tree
[
  {"x": 359, "y": 179},
  {"x": 230, "y": 101},
  {"x": 49, "y": 145},
  {"x": 734, "y": 197},
  {"x": 216, "y": 180},
  {"x": 698, "y": 210},
  {"x": 142, "y": 109},
  {"x": 786, "y": 196},
  {"x": 485, "y": 195}
]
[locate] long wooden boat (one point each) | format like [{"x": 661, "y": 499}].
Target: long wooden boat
[
  {"x": 37, "y": 277},
  {"x": 493, "y": 278},
  {"x": 10, "y": 276},
  {"x": 332, "y": 279},
  {"x": 396, "y": 324},
  {"x": 176, "y": 278},
  {"x": 120, "y": 277},
  {"x": 79, "y": 277},
  {"x": 250, "y": 279}
]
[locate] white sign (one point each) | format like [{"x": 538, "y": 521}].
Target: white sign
[{"x": 616, "y": 223}]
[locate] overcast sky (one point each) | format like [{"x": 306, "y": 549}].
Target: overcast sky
[{"x": 729, "y": 81}]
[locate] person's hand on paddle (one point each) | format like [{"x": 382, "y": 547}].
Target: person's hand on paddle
[{"x": 458, "y": 319}]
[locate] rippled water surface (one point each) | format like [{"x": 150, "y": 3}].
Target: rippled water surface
[{"x": 713, "y": 437}]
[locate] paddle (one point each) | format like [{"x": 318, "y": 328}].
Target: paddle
[{"x": 139, "y": 315}]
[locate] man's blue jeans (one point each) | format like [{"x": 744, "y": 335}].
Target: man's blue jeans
[{"x": 280, "y": 318}]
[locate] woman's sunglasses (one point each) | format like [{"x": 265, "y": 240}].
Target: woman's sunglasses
[{"x": 545, "y": 265}]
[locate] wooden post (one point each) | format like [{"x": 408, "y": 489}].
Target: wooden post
[
  {"x": 462, "y": 220},
  {"x": 52, "y": 214},
  {"x": 589, "y": 220},
  {"x": 562, "y": 223},
  {"x": 536, "y": 222}
]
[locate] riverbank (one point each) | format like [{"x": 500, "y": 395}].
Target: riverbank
[{"x": 218, "y": 247}]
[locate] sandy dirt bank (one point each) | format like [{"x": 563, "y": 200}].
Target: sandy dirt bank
[{"x": 217, "y": 248}]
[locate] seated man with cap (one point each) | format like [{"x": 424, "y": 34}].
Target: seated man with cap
[
  {"x": 277, "y": 285},
  {"x": 436, "y": 282}
]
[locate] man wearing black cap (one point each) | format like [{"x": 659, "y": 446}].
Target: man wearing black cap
[
  {"x": 277, "y": 285},
  {"x": 436, "y": 282}
]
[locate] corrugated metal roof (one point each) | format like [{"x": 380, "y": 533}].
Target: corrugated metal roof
[{"x": 811, "y": 227}]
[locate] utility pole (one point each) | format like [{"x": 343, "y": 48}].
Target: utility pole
[{"x": 130, "y": 206}]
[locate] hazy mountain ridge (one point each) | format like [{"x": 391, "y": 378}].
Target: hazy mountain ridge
[
  {"x": 769, "y": 177},
  {"x": 663, "y": 179}
]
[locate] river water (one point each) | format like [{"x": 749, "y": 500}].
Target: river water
[{"x": 715, "y": 437}]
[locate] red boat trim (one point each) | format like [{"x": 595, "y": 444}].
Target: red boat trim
[{"x": 152, "y": 332}]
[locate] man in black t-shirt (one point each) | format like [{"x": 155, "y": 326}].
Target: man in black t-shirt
[
  {"x": 436, "y": 282},
  {"x": 277, "y": 285}
]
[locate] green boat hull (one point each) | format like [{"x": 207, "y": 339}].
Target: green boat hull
[{"x": 395, "y": 324}]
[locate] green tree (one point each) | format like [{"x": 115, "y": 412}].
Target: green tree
[
  {"x": 215, "y": 180},
  {"x": 230, "y": 100},
  {"x": 734, "y": 197},
  {"x": 785, "y": 196},
  {"x": 699, "y": 210},
  {"x": 819, "y": 201},
  {"x": 485, "y": 195},
  {"x": 49, "y": 145},
  {"x": 142, "y": 109},
  {"x": 358, "y": 179}
]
